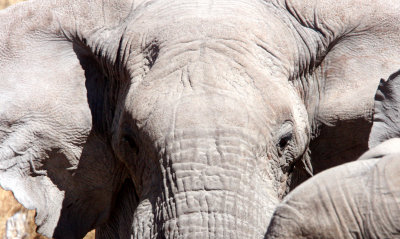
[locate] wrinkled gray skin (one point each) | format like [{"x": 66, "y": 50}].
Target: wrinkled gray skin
[
  {"x": 360, "y": 199},
  {"x": 183, "y": 118}
]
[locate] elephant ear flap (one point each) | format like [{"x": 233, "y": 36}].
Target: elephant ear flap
[
  {"x": 56, "y": 102},
  {"x": 386, "y": 118}
]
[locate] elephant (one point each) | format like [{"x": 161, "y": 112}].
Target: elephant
[
  {"x": 183, "y": 118},
  {"x": 360, "y": 199}
]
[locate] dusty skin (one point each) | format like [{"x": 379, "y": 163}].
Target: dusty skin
[
  {"x": 183, "y": 118},
  {"x": 8, "y": 205}
]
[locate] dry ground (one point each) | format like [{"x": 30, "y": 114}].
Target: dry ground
[
  {"x": 6, "y": 3},
  {"x": 8, "y": 205}
]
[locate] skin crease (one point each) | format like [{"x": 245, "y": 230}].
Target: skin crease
[{"x": 171, "y": 119}]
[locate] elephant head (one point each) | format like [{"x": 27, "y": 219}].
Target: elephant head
[{"x": 170, "y": 119}]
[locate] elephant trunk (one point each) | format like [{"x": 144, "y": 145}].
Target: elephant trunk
[{"x": 211, "y": 186}]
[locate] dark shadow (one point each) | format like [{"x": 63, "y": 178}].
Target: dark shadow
[
  {"x": 339, "y": 144},
  {"x": 120, "y": 221},
  {"x": 99, "y": 188}
]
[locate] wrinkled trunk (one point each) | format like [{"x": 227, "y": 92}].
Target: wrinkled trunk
[{"x": 212, "y": 185}]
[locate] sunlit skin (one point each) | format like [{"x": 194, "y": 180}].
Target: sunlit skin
[{"x": 184, "y": 118}]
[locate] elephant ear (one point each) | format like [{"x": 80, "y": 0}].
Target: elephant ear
[
  {"x": 57, "y": 98},
  {"x": 386, "y": 119}
]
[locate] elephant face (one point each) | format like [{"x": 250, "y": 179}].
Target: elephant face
[
  {"x": 177, "y": 125},
  {"x": 165, "y": 118},
  {"x": 192, "y": 133}
]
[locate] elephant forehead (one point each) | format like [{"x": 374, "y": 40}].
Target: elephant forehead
[
  {"x": 202, "y": 96},
  {"x": 204, "y": 93},
  {"x": 179, "y": 10},
  {"x": 254, "y": 28},
  {"x": 208, "y": 7}
]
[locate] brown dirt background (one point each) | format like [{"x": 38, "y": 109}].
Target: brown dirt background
[
  {"x": 8, "y": 205},
  {"x": 6, "y": 3}
]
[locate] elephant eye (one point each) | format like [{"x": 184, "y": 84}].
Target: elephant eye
[
  {"x": 131, "y": 142},
  {"x": 286, "y": 136},
  {"x": 285, "y": 139}
]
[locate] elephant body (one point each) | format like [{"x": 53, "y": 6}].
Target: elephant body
[
  {"x": 360, "y": 199},
  {"x": 171, "y": 119}
]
